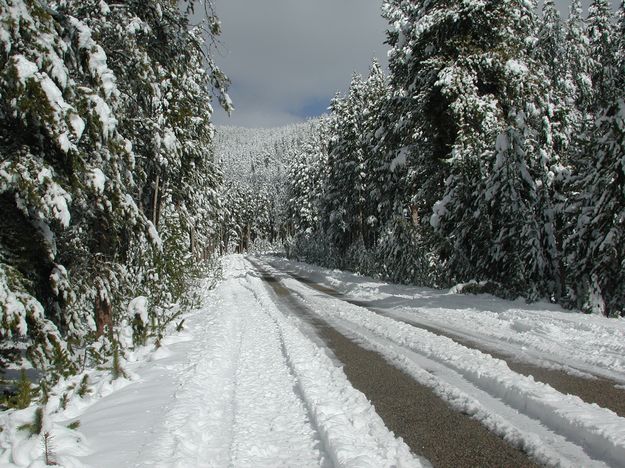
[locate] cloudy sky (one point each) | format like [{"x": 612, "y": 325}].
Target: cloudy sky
[{"x": 287, "y": 58}]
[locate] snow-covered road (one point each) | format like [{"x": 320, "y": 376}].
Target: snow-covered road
[
  {"x": 243, "y": 387},
  {"x": 253, "y": 381},
  {"x": 556, "y": 429},
  {"x": 540, "y": 333}
]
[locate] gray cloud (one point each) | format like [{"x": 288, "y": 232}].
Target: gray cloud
[
  {"x": 286, "y": 58},
  {"x": 283, "y": 55}
]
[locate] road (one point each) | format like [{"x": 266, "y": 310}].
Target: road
[
  {"x": 412, "y": 411},
  {"x": 290, "y": 365},
  {"x": 429, "y": 424},
  {"x": 604, "y": 392}
]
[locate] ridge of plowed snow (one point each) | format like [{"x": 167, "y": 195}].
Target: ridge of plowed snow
[
  {"x": 598, "y": 431},
  {"x": 539, "y": 333},
  {"x": 243, "y": 387}
]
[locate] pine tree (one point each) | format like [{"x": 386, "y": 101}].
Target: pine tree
[
  {"x": 603, "y": 64},
  {"x": 378, "y": 194},
  {"x": 348, "y": 179},
  {"x": 96, "y": 104},
  {"x": 353, "y": 189},
  {"x": 600, "y": 232},
  {"x": 563, "y": 124},
  {"x": 551, "y": 44},
  {"x": 68, "y": 174},
  {"x": 307, "y": 180},
  {"x": 578, "y": 57},
  {"x": 551, "y": 53},
  {"x": 596, "y": 244},
  {"x": 416, "y": 127},
  {"x": 464, "y": 80}
]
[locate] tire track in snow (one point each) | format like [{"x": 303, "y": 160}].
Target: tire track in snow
[
  {"x": 271, "y": 427},
  {"x": 598, "y": 390},
  {"x": 235, "y": 405},
  {"x": 353, "y": 434},
  {"x": 601, "y": 391},
  {"x": 599, "y": 431},
  {"x": 297, "y": 388},
  {"x": 520, "y": 431},
  {"x": 413, "y": 411}
]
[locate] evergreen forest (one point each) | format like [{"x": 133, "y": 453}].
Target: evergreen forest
[{"x": 491, "y": 154}]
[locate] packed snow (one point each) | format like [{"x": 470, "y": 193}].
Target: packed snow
[
  {"x": 556, "y": 429},
  {"x": 241, "y": 385},
  {"x": 539, "y": 333},
  {"x": 247, "y": 384}
]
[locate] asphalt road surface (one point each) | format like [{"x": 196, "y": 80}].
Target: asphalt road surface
[{"x": 412, "y": 411}]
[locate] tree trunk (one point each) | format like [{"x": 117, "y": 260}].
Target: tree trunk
[
  {"x": 103, "y": 315},
  {"x": 192, "y": 242},
  {"x": 155, "y": 204},
  {"x": 414, "y": 214}
]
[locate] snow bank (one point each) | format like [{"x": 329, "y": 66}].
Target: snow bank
[
  {"x": 539, "y": 333},
  {"x": 598, "y": 430},
  {"x": 352, "y": 432},
  {"x": 20, "y": 448}
]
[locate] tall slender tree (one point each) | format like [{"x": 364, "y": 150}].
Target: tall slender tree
[
  {"x": 578, "y": 57},
  {"x": 596, "y": 244},
  {"x": 601, "y": 35}
]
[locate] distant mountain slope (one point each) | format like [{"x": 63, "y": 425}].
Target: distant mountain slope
[{"x": 256, "y": 157}]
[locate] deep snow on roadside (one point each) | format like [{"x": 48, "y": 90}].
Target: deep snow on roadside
[
  {"x": 539, "y": 333},
  {"x": 246, "y": 385},
  {"x": 557, "y": 429},
  {"x": 241, "y": 386}
]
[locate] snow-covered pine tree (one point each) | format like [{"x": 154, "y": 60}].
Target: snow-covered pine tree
[
  {"x": 416, "y": 129},
  {"x": 551, "y": 45},
  {"x": 563, "y": 123},
  {"x": 376, "y": 191},
  {"x": 76, "y": 158},
  {"x": 601, "y": 35},
  {"x": 352, "y": 188},
  {"x": 307, "y": 182},
  {"x": 579, "y": 88},
  {"x": 171, "y": 133},
  {"x": 551, "y": 52},
  {"x": 464, "y": 80},
  {"x": 306, "y": 176},
  {"x": 344, "y": 202},
  {"x": 578, "y": 57},
  {"x": 66, "y": 182},
  {"x": 581, "y": 65},
  {"x": 596, "y": 245}
]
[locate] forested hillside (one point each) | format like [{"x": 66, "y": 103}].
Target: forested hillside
[
  {"x": 254, "y": 193},
  {"x": 148, "y": 315},
  {"x": 108, "y": 187},
  {"x": 493, "y": 151}
]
